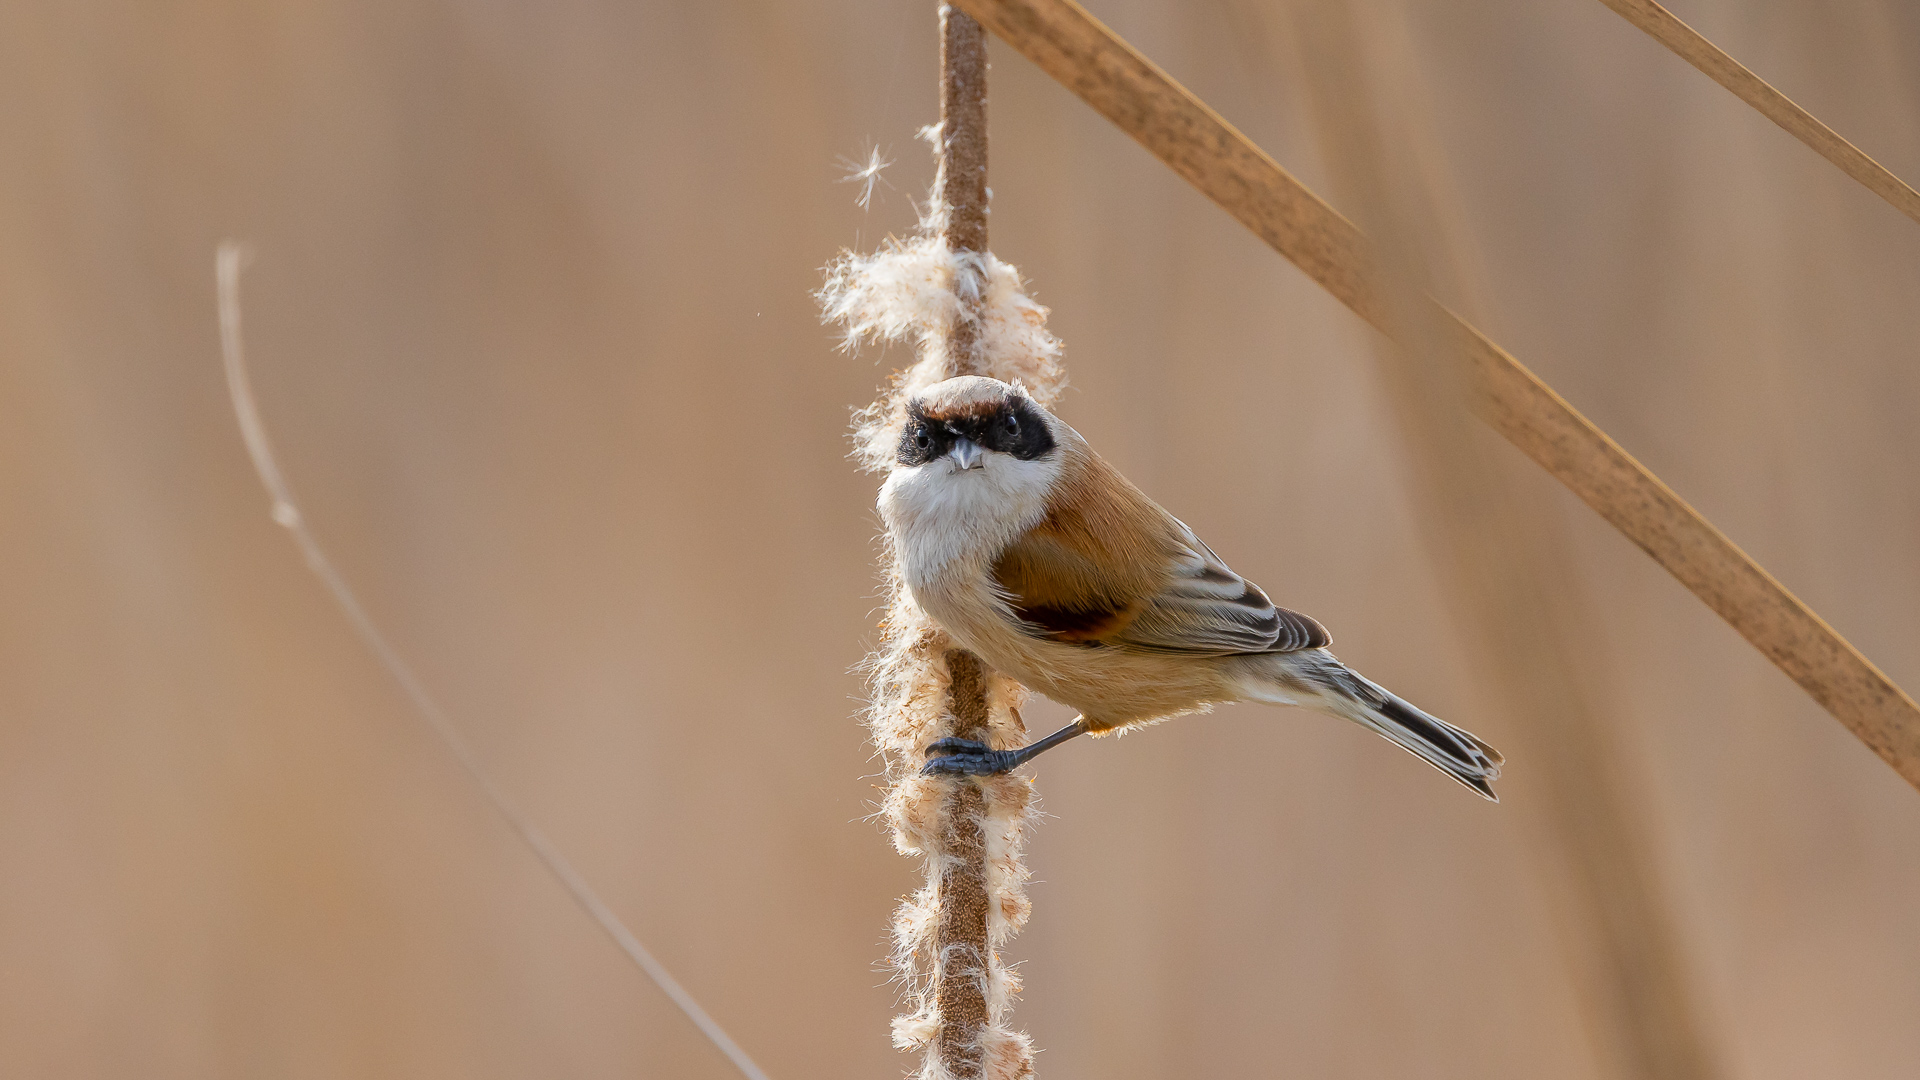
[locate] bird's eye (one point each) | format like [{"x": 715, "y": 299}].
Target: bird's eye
[
  {"x": 921, "y": 439},
  {"x": 1013, "y": 424}
]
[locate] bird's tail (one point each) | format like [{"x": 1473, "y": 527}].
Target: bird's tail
[{"x": 1459, "y": 754}]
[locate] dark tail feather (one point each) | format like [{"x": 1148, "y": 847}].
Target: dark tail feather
[{"x": 1457, "y": 753}]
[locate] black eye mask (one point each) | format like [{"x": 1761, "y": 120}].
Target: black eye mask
[
  {"x": 922, "y": 440},
  {"x": 1017, "y": 429}
]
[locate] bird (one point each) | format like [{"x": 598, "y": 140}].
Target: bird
[{"x": 1033, "y": 552}]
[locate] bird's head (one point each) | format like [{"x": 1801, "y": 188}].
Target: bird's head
[
  {"x": 975, "y": 466},
  {"x": 972, "y": 423}
]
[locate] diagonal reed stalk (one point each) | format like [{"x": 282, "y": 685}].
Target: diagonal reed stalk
[
  {"x": 1690, "y": 45},
  {"x": 1178, "y": 128},
  {"x": 1505, "y": 561},
  {"x": 229, "y": 260}
]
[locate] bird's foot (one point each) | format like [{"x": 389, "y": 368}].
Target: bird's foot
[{"x": 963, "y": 757}]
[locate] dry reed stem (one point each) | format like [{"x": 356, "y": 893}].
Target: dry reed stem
[
  {"x": 1128, "y": 89},
  {"x": 960, "y": 938},
  {"x": 963, "y": 955},
  {"x": 228, "y": 262},
  {"x": 966, "y": 313},
  {"x": 1689, "y": 45},
  {"x": 1507, "y": 564}
]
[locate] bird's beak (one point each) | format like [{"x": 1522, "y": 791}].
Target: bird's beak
[{"x": 966, "y": 453}]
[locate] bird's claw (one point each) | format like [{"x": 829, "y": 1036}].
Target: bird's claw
[{"x": 963, "y": 757}]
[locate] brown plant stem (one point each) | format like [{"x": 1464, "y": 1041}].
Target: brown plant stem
[
  {"x": 1690, "y": 45},
  {"x": 961, "y": 185},
  {"x": 960, "y": 938},
  {"x": 1177, "y": 127},
  {"x": 962, "y": 949},
  {"x": 228, "y": 262},
  {"x": 963, "y": 129},
  {"x": 1507, "y": 565},
  {"x": 965, "y": 312}
]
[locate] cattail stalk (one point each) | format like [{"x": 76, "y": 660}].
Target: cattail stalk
[
  {"x": 962, "y": 953},
  {"x": 965, "y": 312}
]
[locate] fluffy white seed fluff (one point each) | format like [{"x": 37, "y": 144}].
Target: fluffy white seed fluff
[{"x": 909, "y": 293}]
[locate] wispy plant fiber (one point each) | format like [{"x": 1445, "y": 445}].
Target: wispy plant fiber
[{"x": 962, "y": 311}]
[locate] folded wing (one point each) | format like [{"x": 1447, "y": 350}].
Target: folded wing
[
  {"x": 1205, "y": 607},
  {"x": 1184, "y": 600}
]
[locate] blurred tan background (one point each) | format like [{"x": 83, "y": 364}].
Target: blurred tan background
[{"x": 530, "y": 320}]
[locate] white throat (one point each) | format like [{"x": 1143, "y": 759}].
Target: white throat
[{"x": 941, "y": 516}]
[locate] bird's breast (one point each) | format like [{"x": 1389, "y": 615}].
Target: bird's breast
[{"x": 941, "y": 519}]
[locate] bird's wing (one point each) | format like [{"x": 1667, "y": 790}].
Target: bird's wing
[
  {"x": 1181, "y": 599},
  {"x": 1059, "y": 590},
  {"x": 1203, "y": 606}
]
